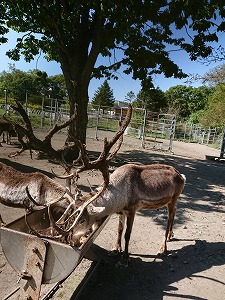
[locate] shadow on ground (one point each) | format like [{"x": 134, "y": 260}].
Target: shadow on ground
[{"x": 155, "y": 279}]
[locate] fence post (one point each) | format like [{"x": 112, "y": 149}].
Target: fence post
[
  {"x": 222, "y": 144},
  {"x": 143, "y": 130},
  {"x": 42, "y": 112},
  {"x": 172, "y": 130},
  {"x": 97, "y": 122}
]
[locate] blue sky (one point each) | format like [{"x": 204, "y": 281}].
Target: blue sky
[{"x": 120, "y": 87}]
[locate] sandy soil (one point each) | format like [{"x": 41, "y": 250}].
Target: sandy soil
[{"x": 195, "y": 265}]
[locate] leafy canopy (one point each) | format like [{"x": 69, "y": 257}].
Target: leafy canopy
[
  {"x": 142, "y": 31},
  {"x": 214, "y": 114},
  {"x": 152, "y": 99},
  {"x": 185, "y": 100},
  {"x": 34, "y": 84}
]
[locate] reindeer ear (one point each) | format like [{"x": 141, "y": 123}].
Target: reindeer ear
[{"x": 95, "y": 209}]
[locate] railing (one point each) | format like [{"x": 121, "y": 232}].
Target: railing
[{"x": 150, "y": 130}]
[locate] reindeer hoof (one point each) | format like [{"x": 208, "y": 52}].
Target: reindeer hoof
[
  {"x": 162, "y": 251},
  {"x": 170, "y": 236}
]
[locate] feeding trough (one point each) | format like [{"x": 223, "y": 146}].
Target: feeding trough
[{"x": 40, "y": 260}]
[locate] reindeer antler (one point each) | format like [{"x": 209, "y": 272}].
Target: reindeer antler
[
  {"x": 33, "y": 143},
  {"x": 102, "y": 164}
]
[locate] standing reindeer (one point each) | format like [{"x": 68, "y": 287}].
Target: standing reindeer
[
  {"x": 131, "y": 188},
  {"x": 6, "y": 127}
]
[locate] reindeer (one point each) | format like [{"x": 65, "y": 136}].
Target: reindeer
[
  {"x": 131, "y": 188},
  {"x": 17, "y": 189},
  {"x": 6, "y": 127}
]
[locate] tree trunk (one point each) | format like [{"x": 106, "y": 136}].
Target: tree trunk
[
  {"x": 78, "y": 94},
  {"x": 78, "y": 128}
]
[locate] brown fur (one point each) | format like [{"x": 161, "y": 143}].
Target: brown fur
[
  {"x": 6, "y": 127},
  {"x": 43, "y": 189},
  {"x": 131, "y": 188}
]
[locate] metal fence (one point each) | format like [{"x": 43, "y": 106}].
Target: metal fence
[
  {"x": 195, "y": 133},
  {"x": 150, "y": 130}
]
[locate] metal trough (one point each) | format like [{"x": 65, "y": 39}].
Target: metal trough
[{"x": 41, "y": 260}]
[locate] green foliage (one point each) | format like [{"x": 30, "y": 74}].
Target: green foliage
[
  {"x": 58, "y": 86},
  {"x": 185, "y": 100},
  {"x": 104, "y": 96},
  {"x": 215, "y": 112},
  {"x": 151, "y": 99},
  {"x": 130, "y": 97},
  {"x": 33, "y": 84},
  {"x": 134, "y": 35},
  {"x": 195, "y": 117}
]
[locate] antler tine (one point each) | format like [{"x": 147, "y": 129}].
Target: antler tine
[
  {"x": 32, "y": 142},
  {"x": 19, "y": 108},
  {"x": 101, "y": 163},
  {"x": 81, "y": 209},
  {"x": 108, "y": 144},
  {"x": 57, "y": 127}
]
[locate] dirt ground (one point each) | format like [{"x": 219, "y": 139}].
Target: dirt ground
[{"x": 195, "y": 265}]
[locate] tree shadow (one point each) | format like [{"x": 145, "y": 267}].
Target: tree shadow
[
  {"x": 23, "y": 168},
  {"x": 155, "y": 279}
]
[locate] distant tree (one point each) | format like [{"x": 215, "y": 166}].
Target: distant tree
[
  {"x": 213, "y": 116},
  {"x": 104, "y": 96},
  {"x": 215, "y": 76},
  {"x": 152, "y": 99},
  {"x": 58, "y": 86},
  {"x": 130, "y": 97},
  {"x": 17, "y": 83},
  {"x": 34, "y": 83},
  {"x": 195, "y": 117},
  {"x": 185, "y": 100}
]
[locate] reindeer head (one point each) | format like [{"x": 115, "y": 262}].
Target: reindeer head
[{"x": 88, "y": 221}]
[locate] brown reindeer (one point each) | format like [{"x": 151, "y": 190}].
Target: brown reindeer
[
  {"x": 131, "y": 188},
  {"x": 6, "y": 127},
  {"x": 16, "y": 188},
  {"x": 35, "y": 190}
]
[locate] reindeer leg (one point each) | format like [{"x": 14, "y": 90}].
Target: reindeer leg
[
  {"x": 2, "y": 223},
  {"x": 169, "y": 233},
  {"x": 3, "y": 138},
  {"x": 125, "y": 257},
  {"x": 118, "y": 247}
]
